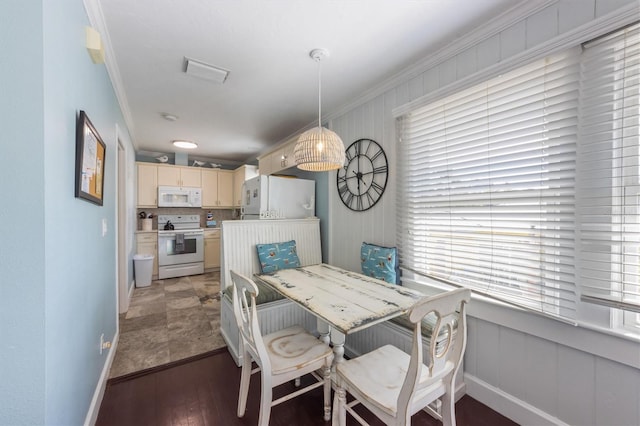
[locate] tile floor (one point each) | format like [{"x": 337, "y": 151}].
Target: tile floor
[{"x": 170, "y": 320}]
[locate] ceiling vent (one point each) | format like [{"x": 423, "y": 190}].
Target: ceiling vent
[{"x": 205, "y": 71}]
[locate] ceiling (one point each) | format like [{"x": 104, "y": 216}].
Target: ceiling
[{"x": 271, "y": 92}]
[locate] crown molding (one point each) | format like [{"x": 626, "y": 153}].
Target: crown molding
[
  {"x": 96, "y": 19},
  {"x": 593, "y": 29}
]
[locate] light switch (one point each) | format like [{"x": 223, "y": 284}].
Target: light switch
[{"x": 104, "y": 227}]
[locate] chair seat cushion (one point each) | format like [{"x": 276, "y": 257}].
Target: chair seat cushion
[
  {"x": 294, "y": 348},
  {"x": 266, "y": 294},
  {"x": 426, "y": 328},
  {"x": 383, "y": 371}
]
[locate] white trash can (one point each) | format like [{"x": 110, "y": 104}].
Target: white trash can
[{"x": 144, "y": 269}]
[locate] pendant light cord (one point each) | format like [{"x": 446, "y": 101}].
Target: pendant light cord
[{"x": 319, "y": 94}]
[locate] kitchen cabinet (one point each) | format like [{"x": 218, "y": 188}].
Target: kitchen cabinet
[
  {"x": 283, "y": 158},
  {"x": 264, "y": 165},
  {"x": 241, "y": 174},
  {"x": 211, "y": 248},
  {"x": 147, "y": 185},
  {"x": 147, "y": 243},
  {"x": 179, "y": 176},
  {"x": 217, "y": 188},
  {"x": 278, "y": 160}
]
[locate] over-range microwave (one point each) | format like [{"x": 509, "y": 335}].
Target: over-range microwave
[{"x": 176, "y": 196}]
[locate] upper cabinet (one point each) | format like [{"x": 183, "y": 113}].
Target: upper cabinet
[
  {"x": 283, "y": 158},
  {"x": 278, "y": 160},
  {"x": 241, "y": 174},
  {"x": 217, "y": 185},
  {"x": 147, "y": 185},
  {"x": 179, "y": 176},
  {"x": 217, "y": 188}
]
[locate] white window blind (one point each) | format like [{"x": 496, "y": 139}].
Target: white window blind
[
  {"x": 609, "y": 208},
  {"x": 486, "y": 186}
]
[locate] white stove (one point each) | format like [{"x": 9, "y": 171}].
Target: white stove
[{"x": 180, "y": 246}]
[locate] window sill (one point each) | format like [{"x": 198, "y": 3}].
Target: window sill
[{"x": 618, "y": 345}]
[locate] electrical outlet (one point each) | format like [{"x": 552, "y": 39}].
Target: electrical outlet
[
  {"x": 104, "y": 227},
  {"x": 104, "y": 345}
]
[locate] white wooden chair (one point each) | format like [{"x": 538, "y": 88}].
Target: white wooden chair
[
  {"x": 394, "y": 385},
  {"x": 281, "y": 356}
]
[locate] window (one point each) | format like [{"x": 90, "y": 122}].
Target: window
[
  {"x": 608, "y": 154},
  {"x": 502, "y": 192},
  {"x": 488, "y": 186}
]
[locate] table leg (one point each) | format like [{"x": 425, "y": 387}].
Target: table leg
[
  {"x": 323, "y": 330},
  {"x": 337, "y": 339}
]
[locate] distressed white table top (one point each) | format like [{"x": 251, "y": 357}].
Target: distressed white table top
[{"x": 348, "y": 301}]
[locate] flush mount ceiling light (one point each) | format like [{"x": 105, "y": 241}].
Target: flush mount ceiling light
[
  {"x": 205, "y": 71},
  {"x": 319, "y": 149},
  {"x": 185, "y": 144},
  {"x": 169, "y": 117}
]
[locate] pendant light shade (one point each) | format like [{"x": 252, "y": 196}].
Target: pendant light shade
[{"x": 319, "y": 149}]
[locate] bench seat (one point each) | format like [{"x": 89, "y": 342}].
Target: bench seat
[{"x": 266, "y": 294}]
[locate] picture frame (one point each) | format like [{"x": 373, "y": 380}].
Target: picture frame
[{"x": 90, "y": 159}]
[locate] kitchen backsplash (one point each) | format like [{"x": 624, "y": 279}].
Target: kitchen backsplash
[{"x": 218, "y": 215}]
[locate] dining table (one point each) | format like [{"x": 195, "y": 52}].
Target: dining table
[{"x": 343, "y": 301}]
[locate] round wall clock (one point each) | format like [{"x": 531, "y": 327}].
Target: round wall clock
[{"x": 361, "y": 182}]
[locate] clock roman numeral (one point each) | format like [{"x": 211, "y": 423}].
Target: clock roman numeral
[
  {"x": 366, "y": 151},
  {"x": 349, "y": 199},
  {"x": 376, "y": 187},
  {"x": 376, "y": 155},
  {"x": 370, "y": 199},
  {"x": 381, "y": 169}
]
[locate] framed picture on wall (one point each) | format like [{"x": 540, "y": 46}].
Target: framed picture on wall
[{"x": 90, "y": 156}]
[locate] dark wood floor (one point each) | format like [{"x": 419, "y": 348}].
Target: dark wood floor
[{"x": 204, "y": 391}]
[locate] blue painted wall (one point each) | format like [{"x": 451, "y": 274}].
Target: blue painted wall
[
  {"x": 322, "y": 203},
  {"x": 58, "y": 285},
  {"x": 22, "y": 221}
]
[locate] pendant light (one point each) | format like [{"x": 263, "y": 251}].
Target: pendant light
[{"x": 319, "y": 149}]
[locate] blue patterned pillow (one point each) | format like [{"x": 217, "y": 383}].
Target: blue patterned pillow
[
  {"x": 276, "y": 256},
  {"x": 380, "y": 262}
]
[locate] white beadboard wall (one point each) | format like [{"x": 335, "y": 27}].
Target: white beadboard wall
[{"x": 534, "y": 378}]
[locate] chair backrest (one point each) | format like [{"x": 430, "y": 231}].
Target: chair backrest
[
  {"x": 447, "y": 343},
  {"x": 245, "y": 292}
]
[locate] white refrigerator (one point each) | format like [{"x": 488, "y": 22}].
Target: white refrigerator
[{"x": 275, "y": 197}]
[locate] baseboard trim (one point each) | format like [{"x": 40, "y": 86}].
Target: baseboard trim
[
  {"x": 508, "y": 405},
  {"x": 98, "y": 394}
]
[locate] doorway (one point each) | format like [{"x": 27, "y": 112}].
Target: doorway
[{"x": 122, "y": 288}]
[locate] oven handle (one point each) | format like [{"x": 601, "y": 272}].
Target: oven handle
[{"x": 186, "y": 234}]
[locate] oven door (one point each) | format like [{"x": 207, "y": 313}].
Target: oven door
[{"x": 175, "y": 250}]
